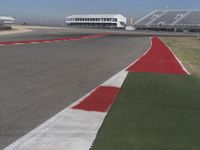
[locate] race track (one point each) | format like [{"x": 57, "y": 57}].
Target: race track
[{"x": 39, "y": 80}]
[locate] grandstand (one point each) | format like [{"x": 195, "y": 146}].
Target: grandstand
[{"x": 170, "y": 20}]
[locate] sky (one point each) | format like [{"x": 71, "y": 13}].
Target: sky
[{"x": 59, "y": 9}]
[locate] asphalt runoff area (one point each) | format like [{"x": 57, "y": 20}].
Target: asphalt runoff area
[{"x": 39, "y": 80}]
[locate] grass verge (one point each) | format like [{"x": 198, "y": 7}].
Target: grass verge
[
  {"x": 153, "y": 112},
  {"x": 188, "y": 50}
]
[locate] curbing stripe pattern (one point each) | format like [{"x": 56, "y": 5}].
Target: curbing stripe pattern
[{"x": 52, "y": 40}]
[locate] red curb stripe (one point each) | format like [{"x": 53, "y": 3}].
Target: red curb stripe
[
  {"x": 158, "y": 59},
  {"x": 99, "y": 100},
  {"x": 53, "y": 40}
]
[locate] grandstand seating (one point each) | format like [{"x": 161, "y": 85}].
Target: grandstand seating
[
  {"x": 151, "y": 17},
  {"x": 193, "y": 18},
  {"x": 169, "y": 17},
  {"x": 171, "y": 20}
]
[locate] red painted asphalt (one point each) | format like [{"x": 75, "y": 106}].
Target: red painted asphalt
[
  {"x": 53, "y": 40},
  {"x": 158, "y": 59},
  {"x": 100, "y": 100}
]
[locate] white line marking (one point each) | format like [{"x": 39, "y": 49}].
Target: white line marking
[
  {"x": 179, "y": 61},
  {"x": 118, "y": 79},
  {"x": 151, "y": 43}
]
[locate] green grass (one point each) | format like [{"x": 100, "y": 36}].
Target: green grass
[
  {"x": 188, "y": 50},
  {"x": 154, "y": 112}
]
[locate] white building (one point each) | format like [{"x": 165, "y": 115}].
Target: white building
[
  {"x": 6, "y": 20},
  {"x": 97, "y": 20}
]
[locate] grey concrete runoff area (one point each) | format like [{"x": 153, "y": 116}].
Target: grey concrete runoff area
[{"x": 39, "y": 80}]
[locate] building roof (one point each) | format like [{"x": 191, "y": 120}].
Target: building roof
[
  {"x": 7, "y": 18},
  {"x": 95, "y": 16}
]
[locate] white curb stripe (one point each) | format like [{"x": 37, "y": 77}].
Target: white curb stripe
[
  {"x": 18, "y": 44},
  {"x": 68, "y": 130},
  {"x": 117, "y": 80},
  {"x": 34, "y": 43}
]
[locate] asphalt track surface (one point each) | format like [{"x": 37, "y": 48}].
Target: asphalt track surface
[{"x": 39, "y": 80}]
